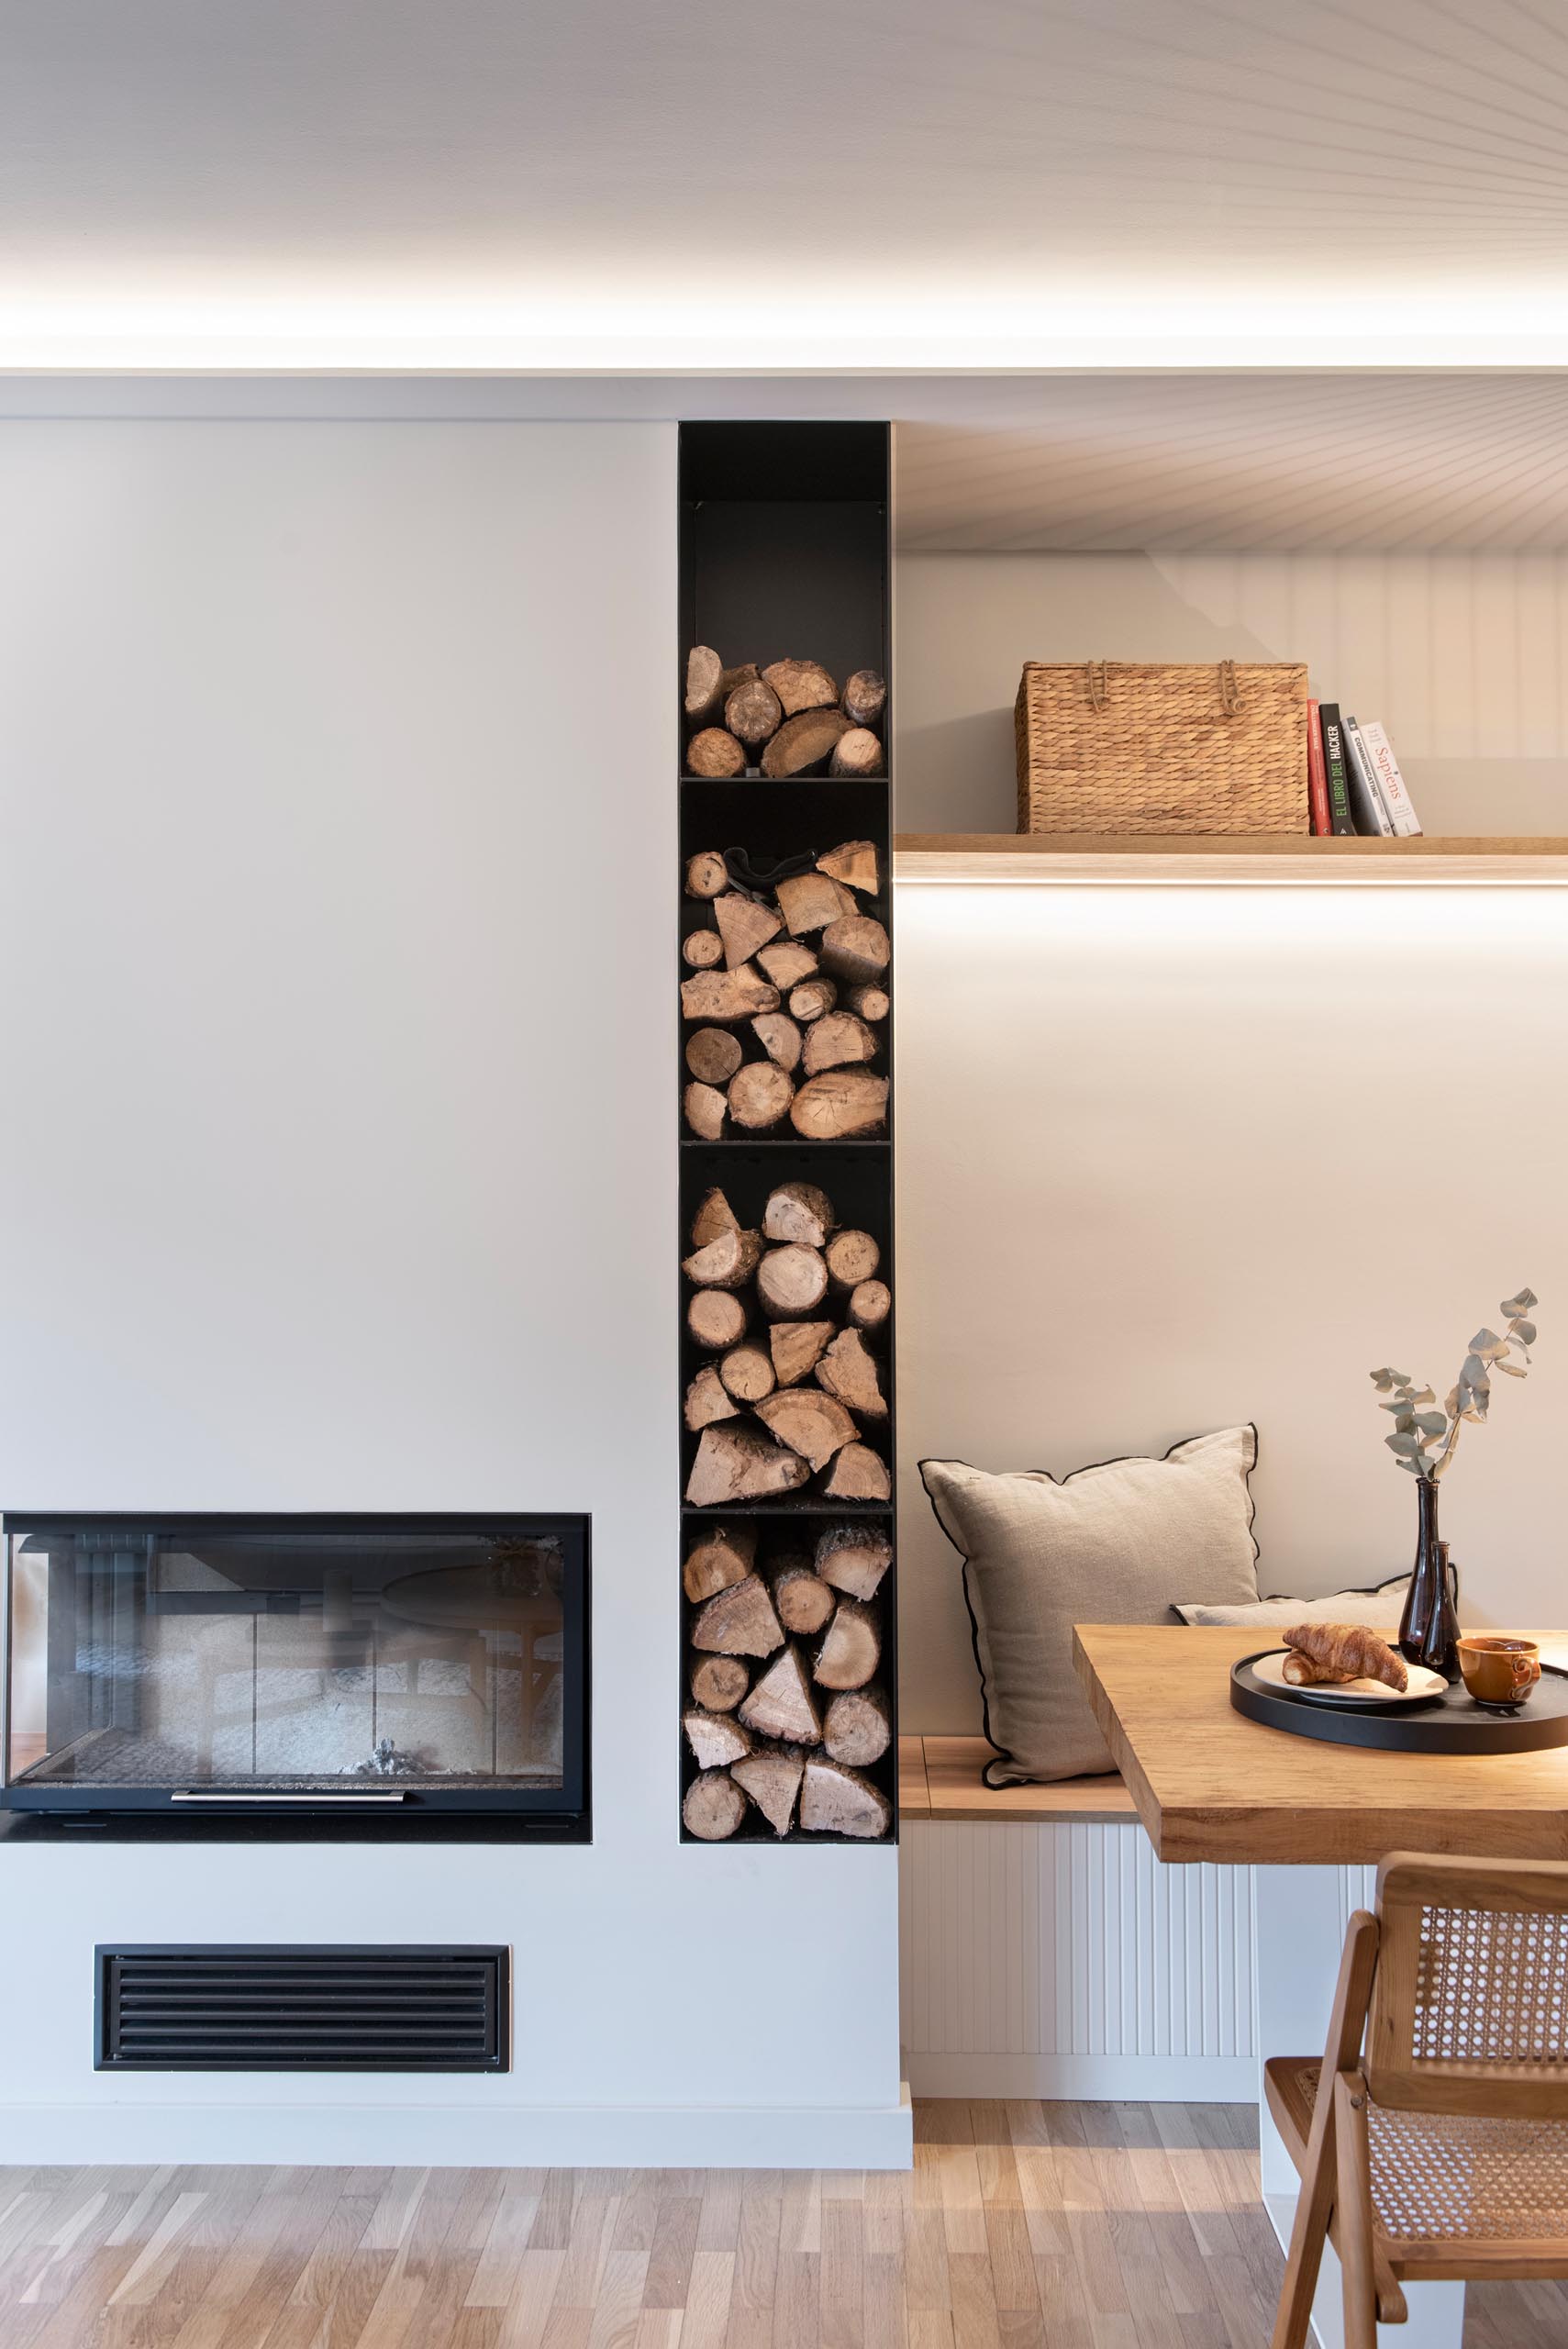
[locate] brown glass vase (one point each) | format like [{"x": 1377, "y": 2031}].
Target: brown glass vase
[{"x": 1429, "y": 1629}]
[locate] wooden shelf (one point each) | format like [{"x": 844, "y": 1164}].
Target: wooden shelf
[
  {"x": 943, "y": 1777},
  {"x": 1196, "y": 861}
]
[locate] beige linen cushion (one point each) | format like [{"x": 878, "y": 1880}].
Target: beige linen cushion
[
  {"x": 1377, "y": 1609},
  {"x": 1107, "y": 1544}
]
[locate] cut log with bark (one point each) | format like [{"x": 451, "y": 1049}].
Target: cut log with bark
[
  {"x": 713, "y": 1054},
  {"x": 868, "y": 1003},
  {"x": 837, "y": 1041},
  {"x": 812, "y": 999},
  {"x": 743, "y": 926},
  {"x": 870, "y": 1303},
  {"x": 856, "y": 950},
  {"x": 803, "y": 744},
  {"x": 716, "y": 1318},
  {"x": 706, "y": 875},
  {"x": 852, "y": 1257},
  {"x": 790, "y": 1282},
  {"x": 843, "y": 1103},
  {"x": 713, "y": 1807},
  {"x": 736, "y": 1461},
  {"x": 857, "y": 1728},
  {"x": 802, "y": 1601},
  {"x": 719, "y": 1682},
  {"x": 780, "y": 1039},
  {"x": 798, "y": 1213},
  {"x": 723, "y": 996},
  {"x": 859, "y": 1474},
  {"x": 740, "y": 1621},
  {"x": 714, "y": 1215},
  {"x": 856, "y": 755},
  {"x": 836, "y": 1801},
  {"x": 854, "y": 863},
  {"x": 773, "y": 1782},
  {"x": 752, "y": 714},
  {"x": 716, "y": 1741},
  {"x": 787, "y": 962},
  {"x": 848, "y": 1371},
  {"x": 760, "y": 1095},
  {"x": 809, "y": 901},
  {"x": 747, "y": 1372},
  {"x": 717, "y": 1559},
  {"x": 715, "y": 754},
  {"x": 701, "y": 949},
  {"x": 727, "y": 1261},
  {"x": 801, "y": 684},
  {"x": 796, "y": 1348},
  {"x": 708, "y": 1401},
  {"x": 853, "y": 1559},
  {"x": 705, "y": 685},
  {"x": 740, "y": 676},
  {"x": 812, "y": 1423},
  {"x": 705, "y": 1108},
  {"x": 781, "y": 1704},
  {"x": 864, "y": 698},
  {"x": 851, "y": 1650}
]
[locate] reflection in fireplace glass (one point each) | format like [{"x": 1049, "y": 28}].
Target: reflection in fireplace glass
[{"x": 308, "y": 1660}]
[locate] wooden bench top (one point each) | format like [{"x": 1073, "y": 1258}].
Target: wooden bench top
[{"x": 941, "y": 1777}]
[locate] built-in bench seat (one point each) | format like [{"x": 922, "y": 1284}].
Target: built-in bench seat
[{"x": 941, "y": 1777}]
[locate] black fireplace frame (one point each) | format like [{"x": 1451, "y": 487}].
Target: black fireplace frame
[{"x": 417, "y": 1813}]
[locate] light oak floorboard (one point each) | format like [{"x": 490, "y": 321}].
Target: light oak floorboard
[{"x": 1022, "y": 2226}]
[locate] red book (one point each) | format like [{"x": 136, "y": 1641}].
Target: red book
[{"x": 1317, "y": 774}]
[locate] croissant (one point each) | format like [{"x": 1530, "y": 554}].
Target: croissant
[{"x": 1336, "y": 1652}]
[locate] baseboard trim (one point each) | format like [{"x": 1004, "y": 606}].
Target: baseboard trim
[
  {"x": 461, "y": 2136},
  {"x": 1072, "y": 2080}
]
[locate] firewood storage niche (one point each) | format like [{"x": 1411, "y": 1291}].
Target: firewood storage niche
[{"x": 785, "y": 1108}]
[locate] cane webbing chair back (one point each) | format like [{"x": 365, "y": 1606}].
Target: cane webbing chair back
[{"x": 1470, "y": 2005}]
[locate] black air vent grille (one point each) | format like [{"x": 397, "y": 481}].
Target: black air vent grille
[{"x": 269, "y": 2007}]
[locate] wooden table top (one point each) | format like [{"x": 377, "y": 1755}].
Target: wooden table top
[{"x": 1212, "y": 1786}]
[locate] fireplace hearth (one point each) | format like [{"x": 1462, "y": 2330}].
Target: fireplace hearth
[{"x": 417, "y": 1676}]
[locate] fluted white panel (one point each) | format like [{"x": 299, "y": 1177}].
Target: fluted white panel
[
  {"x": 1068, "y": 1960},
  {"x": 1357, "y": 1890}
]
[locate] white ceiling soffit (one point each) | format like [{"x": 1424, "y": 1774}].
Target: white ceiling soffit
[
  {"x": 1256, "y": 462},
  {"x": 711, "y": 185}
]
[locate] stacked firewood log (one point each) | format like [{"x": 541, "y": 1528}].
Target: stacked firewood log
[
  {"x": 785, "y": 998},
  {"x": 786, "y": 1716},
  {"x": 789, "y": 718}
]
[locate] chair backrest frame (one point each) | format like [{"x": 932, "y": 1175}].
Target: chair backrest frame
[{"x": 1470, "y": 2003}]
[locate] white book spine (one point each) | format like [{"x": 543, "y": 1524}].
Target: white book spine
[
  {"x": 1368, "y": 798},
  {"x": 1390, "y": 782}
]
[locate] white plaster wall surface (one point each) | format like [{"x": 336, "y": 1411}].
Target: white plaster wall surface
[
  {"x": 340, "y": 1175},
  {"x": 1462, "y": 656},
  {"x": 1170, "y": 1159}
]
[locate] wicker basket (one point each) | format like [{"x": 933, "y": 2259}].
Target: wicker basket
[{"x": 1128, "y": 746}]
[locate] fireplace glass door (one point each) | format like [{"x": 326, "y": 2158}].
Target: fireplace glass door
[{"x": 182, "y": 1659}]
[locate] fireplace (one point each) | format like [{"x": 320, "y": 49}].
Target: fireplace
[{"x": 300, "y": 1675}]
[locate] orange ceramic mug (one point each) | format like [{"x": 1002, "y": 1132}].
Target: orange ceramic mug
[{"x": 1499, "y": 1671}]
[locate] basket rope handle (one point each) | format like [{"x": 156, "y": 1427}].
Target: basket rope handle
[{"x": 1229, "y": 692}]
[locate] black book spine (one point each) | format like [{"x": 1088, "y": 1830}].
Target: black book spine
[{"x": 1342, "y": 823}]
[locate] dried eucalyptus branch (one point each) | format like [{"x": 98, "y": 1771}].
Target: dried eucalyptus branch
[{"x": 1424, "y": 1440}]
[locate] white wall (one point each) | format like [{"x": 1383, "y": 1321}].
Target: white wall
[
  {"x": 1464, "y": 657},
  {"x": 340, "y": 1174},
  {"x": 1174, "y": 1158}
]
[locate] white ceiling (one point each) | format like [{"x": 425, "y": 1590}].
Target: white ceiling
[{"x": 721, "y": 184}]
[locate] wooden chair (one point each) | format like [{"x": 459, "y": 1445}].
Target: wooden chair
[{"x": 1432, "y": 2134}]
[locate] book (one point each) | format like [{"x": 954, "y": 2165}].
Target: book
[
  {"x": 1396, "y": 798},
  {"x": 1341, "y": 819},
  {"x": 1317, "y": 774},
  {"x": 1366, "y": 800}
]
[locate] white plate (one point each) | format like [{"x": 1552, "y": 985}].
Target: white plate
[{"x": 1269, "y": 1670}]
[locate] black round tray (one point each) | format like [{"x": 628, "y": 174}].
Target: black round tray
[{"x": 1452, "y": 1723}]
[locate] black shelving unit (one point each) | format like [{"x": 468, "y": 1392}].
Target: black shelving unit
[{"x": 784, "y": 551}]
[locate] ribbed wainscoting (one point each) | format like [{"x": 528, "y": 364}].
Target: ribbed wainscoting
[{"x": 1067, "y": 1962}]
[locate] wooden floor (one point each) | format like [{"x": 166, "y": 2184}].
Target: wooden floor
[{"x": 1090, "y": 2226}]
